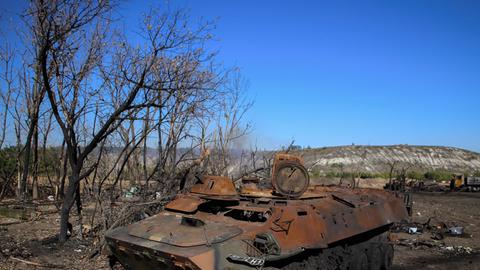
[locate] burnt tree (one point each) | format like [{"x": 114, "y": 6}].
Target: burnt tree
[{"x": 79, "y": 71}]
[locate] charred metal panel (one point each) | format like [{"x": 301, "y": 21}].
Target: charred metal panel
[{"x": 215, "y": 185}]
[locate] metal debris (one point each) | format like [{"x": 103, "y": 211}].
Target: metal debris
[
  {"x": 131, "y": 193},
  {"x": 455, "y": 230},
  {"x": 439, "y": 245},
  {"x": 250, "y": 260},
  {"x": 459, "y": 250},
  {"x": 413, "y": 230},
  {"x": 437, "y": 229}
]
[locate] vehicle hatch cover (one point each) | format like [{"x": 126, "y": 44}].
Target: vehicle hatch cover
[{"x": 182, "y": 231}]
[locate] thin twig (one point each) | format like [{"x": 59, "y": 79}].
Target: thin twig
[{"x": 36, "y": 264}]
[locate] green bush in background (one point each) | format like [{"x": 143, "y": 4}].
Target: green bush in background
[
  {"x": 435, "y": 175},
  {"x": 438, "y": 175}
]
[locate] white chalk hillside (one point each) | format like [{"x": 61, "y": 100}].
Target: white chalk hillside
[{"x": 376, "y": 158}]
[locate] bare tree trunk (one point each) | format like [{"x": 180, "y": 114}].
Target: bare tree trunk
[
  {"x": 6, "y": 101},
  {"x": 67, "y": 205},
  {"x": 146, "y": 127},
  {"x": 7, "y": 57},
  {"x": 35, "y": 164},
  {"x": 34, "y": 100},
  {"x": 78, "y": 201},
  {"x": 64, "y": 159},
  {"x": 160, "y": 143},
  {"x": 133, "y": 163},
  {"x": 26, "y": 164},
  {"x": 18, "y": 135}
]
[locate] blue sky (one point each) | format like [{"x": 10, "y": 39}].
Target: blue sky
[
  {"x": 341, "y": 72},
  {"x": 363, "y": 72}
]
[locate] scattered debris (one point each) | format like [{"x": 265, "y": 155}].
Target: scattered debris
[
  {"x": 408, "y": 227},
  {"x": 439, "y": 245},
  {"x": 437, "y": 236},
  {"x": 455, "y": 230},
  {"x": 131, "y": 193},
  {"x": 428, "y": 185},
  {"x": 419, "y": 243},
  {"x": 438, "y": 229},
  {"x": 459, "y": 250},
  {"x": 413, "y": 230}
]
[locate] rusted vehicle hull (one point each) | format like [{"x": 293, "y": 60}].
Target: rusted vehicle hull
[
  {"x": 291, "y": 226},
  {"x": 198, "y": 231},
  {"x": 136, "y": 253}
]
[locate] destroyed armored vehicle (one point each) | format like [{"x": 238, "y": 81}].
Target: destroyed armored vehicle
[{"x": 291, "y": 225}]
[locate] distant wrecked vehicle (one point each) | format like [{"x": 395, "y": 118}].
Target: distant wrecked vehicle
[
  {"x": 460, "y": 182},
  {"x": 290, "y": 226}
]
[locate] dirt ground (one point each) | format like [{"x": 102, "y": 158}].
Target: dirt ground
[
  {"x": 31, "y": 244},
  {"x": 462, "y": 252}
]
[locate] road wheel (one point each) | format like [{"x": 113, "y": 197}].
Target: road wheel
[
  {"x": 375, "y": 257},
  {"x": 359, "y": 261},
  {"x": 387, "y": 252}
]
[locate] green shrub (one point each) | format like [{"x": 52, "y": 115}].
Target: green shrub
[
  {"x": 415, "y": 175},
  {"x": 438, "y": 175}
]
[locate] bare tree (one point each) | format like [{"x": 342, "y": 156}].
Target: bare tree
[
  {"x": 18, "y": 116},
  {"x": 71, "y": 38},
  {"x": 229, "y": 123},
  {"x": 341, "y": 169},
  {"x": 391, "y": 169},
  {"x": 34, "y": 94},
  {"x": 402, "y": 173},
  {"x": 7, "y": 169},
  {"x": 56, "y": 26},
  {"x": 10, "y": 95},
  {"x": 6, "y": 58}
]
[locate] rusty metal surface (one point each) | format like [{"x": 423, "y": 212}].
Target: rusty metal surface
[
  {"x": 184, "y": 203},
  {"x": 269, "y": 193},
  {"x": 215, "y": 185},
  {"x": 173, "y": 229},
  {"x": 200, "y": 229},
  {"x": 289, "y": 176}
]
